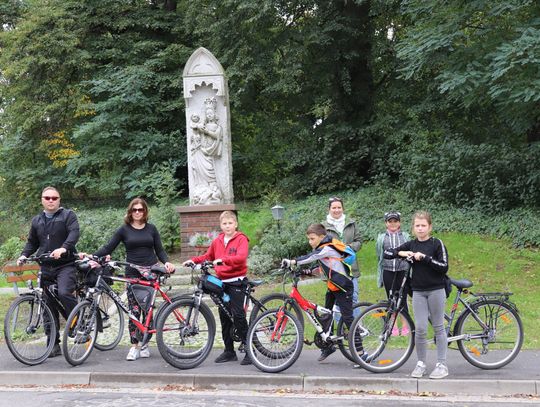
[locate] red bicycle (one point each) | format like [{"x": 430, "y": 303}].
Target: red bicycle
[
  {"x": 276, "y": 337},
  {"x": 87, "y": 319}
]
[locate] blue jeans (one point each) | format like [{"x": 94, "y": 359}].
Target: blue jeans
[{"x": 356, "y": 311}]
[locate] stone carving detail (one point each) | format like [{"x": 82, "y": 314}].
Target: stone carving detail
[
  {"x": 208, "y": 130},
  {"x": 206, "y": 144}
]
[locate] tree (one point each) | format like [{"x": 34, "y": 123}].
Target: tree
[{"x": 482, "y": 54}]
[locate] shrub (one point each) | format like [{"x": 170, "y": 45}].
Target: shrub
[
  {"x": 488, "y": 176},
  {"x": 11, "y": 249},
  {"x": 367, "y": 207}
]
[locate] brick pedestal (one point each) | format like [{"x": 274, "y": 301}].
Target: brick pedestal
[{"x": 198, "y": 219}]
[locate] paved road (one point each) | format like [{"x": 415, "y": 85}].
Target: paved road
[
  {"x": 148, "y": 398},
  {"x": 103, "y": 368}
]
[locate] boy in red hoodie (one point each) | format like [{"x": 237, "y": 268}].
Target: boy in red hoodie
[{"x": 229, "y": 252}]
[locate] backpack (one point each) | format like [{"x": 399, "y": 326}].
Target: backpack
[{"x": 348, "y": 255}]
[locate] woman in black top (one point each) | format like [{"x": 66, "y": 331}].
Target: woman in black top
[{"x": 143, "y": 248}]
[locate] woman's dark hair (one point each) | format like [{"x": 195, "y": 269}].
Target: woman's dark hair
[
  {"x": 317, "y": 229},
  {"x": 333, "y": 199},
  {"x": 128, "y": 218}
]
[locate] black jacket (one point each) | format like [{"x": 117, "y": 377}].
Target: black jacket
[
  {"x": 429, "y": 273},
  {"x": 62, "y": 230}
]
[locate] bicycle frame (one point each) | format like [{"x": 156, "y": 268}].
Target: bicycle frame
[
  {"x": 144, "y": 327},
  {"x": 309, "y": 309},
  {"x": 502, "y": 297}
]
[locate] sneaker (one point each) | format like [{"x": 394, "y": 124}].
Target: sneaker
[
  {"x": 56, "y": 351},
  {"x": 246, "y": 360},
  {"x": 145, "y": 352},
  {"x": 395, "y": 331},
  {"x": 326, "y": 352},
  {"x": 227, "y": 356},
  {"x": 405, "y": 331},
  {"x": 419, "y": 370},
  {"x": 365, "y": 358},
  {"x": 133, "y": 354},
  {"x": 439, "y": 372}
]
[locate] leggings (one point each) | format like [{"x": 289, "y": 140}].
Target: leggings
[{"x": 429, "y": 305}]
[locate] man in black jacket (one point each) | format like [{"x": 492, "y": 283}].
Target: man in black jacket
[{"x": 55, "y": 230}]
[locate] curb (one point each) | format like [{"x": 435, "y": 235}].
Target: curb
[{"x": 298, "y": 383}]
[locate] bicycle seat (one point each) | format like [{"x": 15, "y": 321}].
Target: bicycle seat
[
  {"x": 461, "y": 283},
  {"x": 255, "y": 283},
  {"x": 159, "y": 270}
]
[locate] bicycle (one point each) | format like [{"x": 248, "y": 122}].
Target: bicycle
[
  {"x": 86, "y": 319},
  {"x": 488, "y": 330},
  {"x": 30, "y": 325},
  {"x": 276, "y": 337},
  {"x": 187, "y": 327}
]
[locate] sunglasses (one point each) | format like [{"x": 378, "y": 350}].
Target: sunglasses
[
  {"x": 135, "y": 210},
  {"x": 51, "y": 198},
  {"x": 335, "y": 199}
]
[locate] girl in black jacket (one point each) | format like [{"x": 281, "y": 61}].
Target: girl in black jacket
[{"x": 429, "y": 260}]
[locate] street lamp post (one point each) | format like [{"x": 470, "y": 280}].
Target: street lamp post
[{"x": 277, "y": 214}]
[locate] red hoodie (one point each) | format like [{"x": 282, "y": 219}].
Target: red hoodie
[{"x": 234, "y": 256}]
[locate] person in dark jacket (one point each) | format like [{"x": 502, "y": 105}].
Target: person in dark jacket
[
  {"x": 55, "y": 231},
  {"x": 429, "y": 260}
]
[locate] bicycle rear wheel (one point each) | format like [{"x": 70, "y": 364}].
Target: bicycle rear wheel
[
  {"x": 185, "y": 333},
  {"x": 111, "y": 319},
  {"x": 371, "y": 332},
  {"x": 494, "y": 346},
  {"x": 343, "y": 331},
  {"x": 29, "y": 330},
  {"x": 274, "y": 341},
  {"x": 274, "y": 301},
  {"x": 80, "y": 332}
]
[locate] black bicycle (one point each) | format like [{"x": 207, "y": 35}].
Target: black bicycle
[
  {"x": 488, "y": 331},
  {"x": 30, "y": 328},
  {"x": 186, "y": 328}
]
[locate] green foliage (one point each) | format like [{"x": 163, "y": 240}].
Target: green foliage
[
  {"x": 493, "y": 177},
  {"x": 97, "y": 227},
  {"x": 301, "y": 89},
  {"x": 11, "y": 249},
  {"x": 367, "y": 207},
  {"x": 92, "y": 88},
  {"x": 478, "y": 53}
]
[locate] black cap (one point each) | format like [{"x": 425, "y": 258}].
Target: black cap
[{"x": 392, "y": 215}]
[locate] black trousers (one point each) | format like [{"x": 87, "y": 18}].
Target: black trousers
[
  {"x": 65, "y": 278},
  {"x": 344, "y": 300},
  {"x": 236, "y": 307}
]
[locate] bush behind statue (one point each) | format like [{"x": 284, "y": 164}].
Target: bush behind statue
[{"x": 367, "y": 207}]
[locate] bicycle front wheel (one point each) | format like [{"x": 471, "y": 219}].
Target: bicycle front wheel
[
  {"x": 372, "y": 343},
  {"x": 343, "y": 331},
  {"x": 275, "y": 340},
  {"x": 80, "y": 332},
  {"x": 498, "y": 342},
  {"x": 275, "y": 301},
  {"x": 185, "y": 333},
  {"x": 29, "y": 330},
  {"x": 110, "y": 323}
]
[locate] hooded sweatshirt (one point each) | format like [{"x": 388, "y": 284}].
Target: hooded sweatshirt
[{"x": 234, "y": 255}]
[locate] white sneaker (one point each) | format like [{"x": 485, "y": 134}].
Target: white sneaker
[
  {"x": 439, "y": 372},
  {"x": 145, "y": 352},
  {"x": 133, "y": 354},
  {"x": 419, "y": 370}
]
